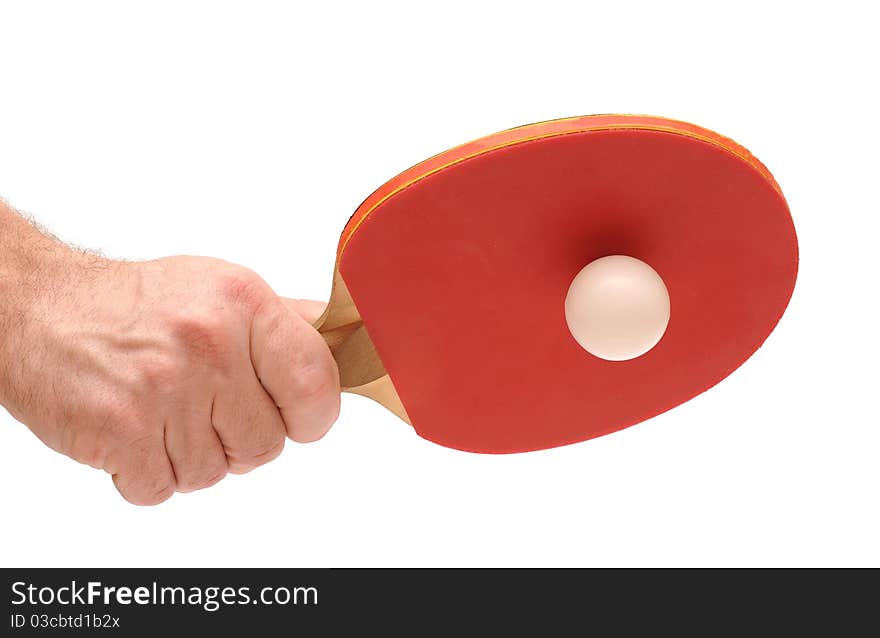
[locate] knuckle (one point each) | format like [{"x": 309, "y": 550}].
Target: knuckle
[
  {"x": 313, "y": 382},
  {"x": 155, "y": 494},
  {"x": 148, "y": 491},
  {"x": 161, "y": 374},
  {"x": 269, "y": 452},
  {"x": 118, "y": 420},
  {"x": 204, "y": 478},
  {"x": 91, "y": 449},
  {"x": 201, "y": 471},
  {"x": 243, "y": 287},
  {"x": 138, "y": 433},
  {"x": 203, "y": 336},
  {"x": 159, "y": 494},
  {"x": 240, "y": 463}
]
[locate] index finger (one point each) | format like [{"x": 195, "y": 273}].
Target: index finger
[{"x": 295, "y": 366}]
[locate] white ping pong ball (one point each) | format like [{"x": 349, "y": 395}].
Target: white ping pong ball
[{"x": 617, "y": 308}]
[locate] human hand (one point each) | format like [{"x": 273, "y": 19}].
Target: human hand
[{"x": 167, "y": 374}]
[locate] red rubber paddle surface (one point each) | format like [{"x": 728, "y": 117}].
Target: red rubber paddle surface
[{"x": 460, "y": 275}]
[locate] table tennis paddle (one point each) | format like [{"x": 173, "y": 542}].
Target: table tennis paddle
[{"x": 559, "y": 281}]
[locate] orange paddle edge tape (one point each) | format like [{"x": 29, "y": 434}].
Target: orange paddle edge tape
[{"x": 541, "y": 130}]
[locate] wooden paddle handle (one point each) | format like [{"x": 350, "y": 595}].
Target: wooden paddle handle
[
  {"x": 343, "y": 330},
  {"x": 361, "y": 371}
]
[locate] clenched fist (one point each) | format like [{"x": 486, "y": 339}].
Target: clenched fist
[{"x": 167, "y": 374}]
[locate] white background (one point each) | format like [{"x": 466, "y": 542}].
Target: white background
[{"x": 251, "y": 131}]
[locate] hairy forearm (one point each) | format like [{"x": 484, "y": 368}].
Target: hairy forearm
[
  {"x": 25, "y": 254},
  {"x": 28, "y": 260},
  {"x": 23, "y": 247}
]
